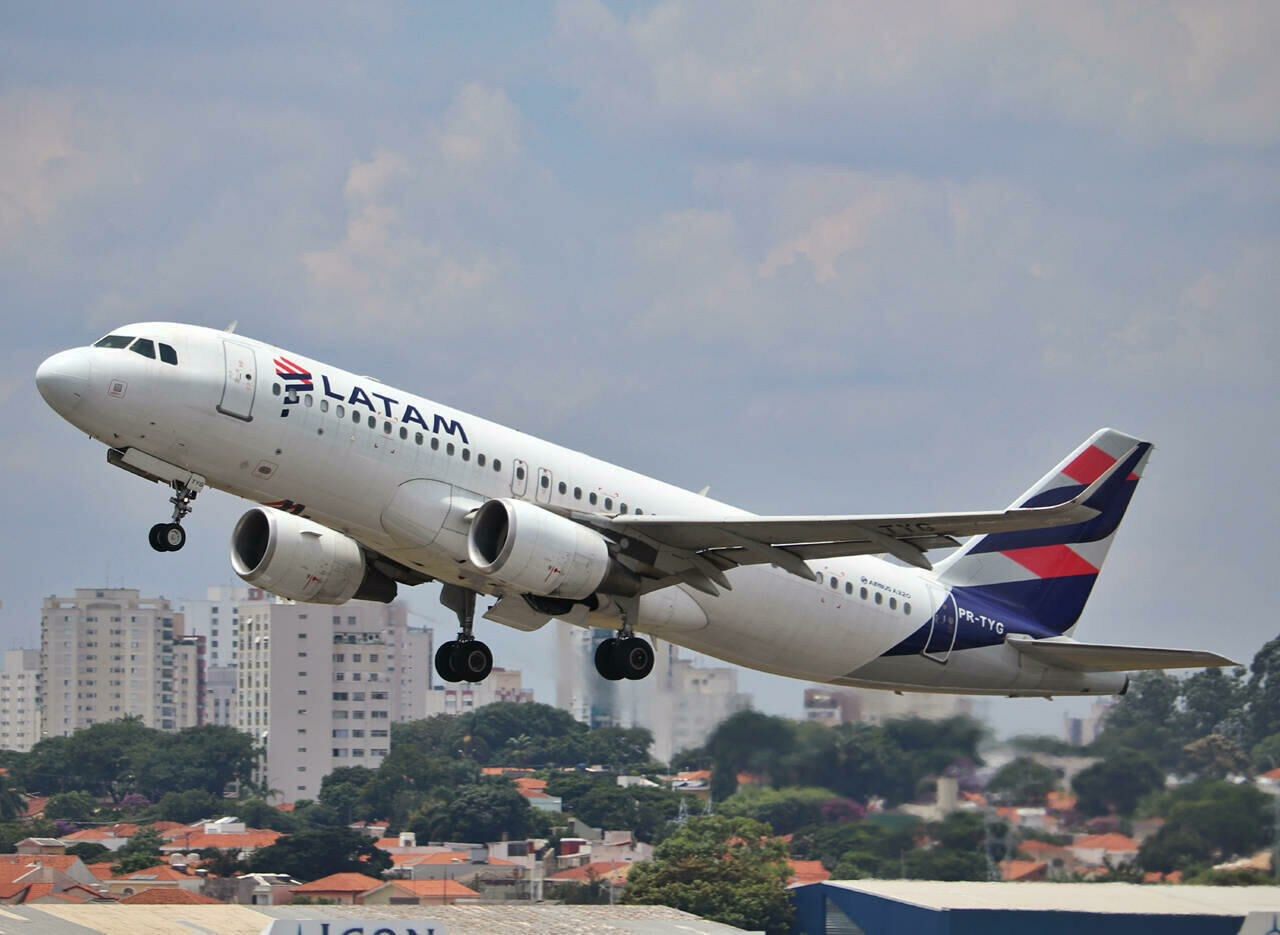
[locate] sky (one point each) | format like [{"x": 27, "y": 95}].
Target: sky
[{"x": 826, "y": 257}]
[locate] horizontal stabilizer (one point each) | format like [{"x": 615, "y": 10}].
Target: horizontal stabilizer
[{"x": 1097, "y": 657}]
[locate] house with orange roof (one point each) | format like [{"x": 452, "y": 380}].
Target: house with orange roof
[
  {"x": 187, "y": 838},
  {"x": 346, "y": 889},
  {"x": 420, "y": 893},
  {"x": 159, "y": 877},
  {"x": 101, "y": 871},
  {"x": 1023, "y": 871},
  {"x": 159, "y": 897},
  {"x": 35, "y": 806},
  {"x": 29, "y": 879},
  {"x": 612, "y": 872},
  {"x": 457, "y": 865},
  {"x": 49, "y": 868},
  {"x": 808, "y": 871},
  {"x": 1094, "y": 849}
]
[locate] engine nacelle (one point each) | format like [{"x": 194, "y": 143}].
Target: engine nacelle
[
  {"x": 536, "y": 551},
  {"x": 304, "y": 561}
]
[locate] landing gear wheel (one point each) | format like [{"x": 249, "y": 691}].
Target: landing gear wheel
[
  {"x": 607, "y": 660},
  {"x": 173, "y": 536},
  {"x": 444, "y": 662},
  {"x": 472, "y": 660},
  {"x": 156, "y": 537},
  {"x": 634, "y": 658}
]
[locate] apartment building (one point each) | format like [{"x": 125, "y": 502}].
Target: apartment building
[
  {"x": 829, "y": 705},
  {"x": 461, "y": 697},
  {"x": 319, "y": 687},
  {"x": 20, "y": 700},
  {"x": 109, "y": 653}
]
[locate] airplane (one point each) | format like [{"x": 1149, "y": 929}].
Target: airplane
[{"x": 360, "y": 487}]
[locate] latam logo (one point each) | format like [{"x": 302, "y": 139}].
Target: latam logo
[{"x": 297, "y": 379}]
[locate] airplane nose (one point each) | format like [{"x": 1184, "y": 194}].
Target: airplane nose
[{"x": 63, "y": 380}]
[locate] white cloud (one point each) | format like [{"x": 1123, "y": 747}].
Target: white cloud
[{"x": 1195, "y": 69}]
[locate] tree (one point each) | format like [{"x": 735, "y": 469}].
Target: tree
[
  {"x": 71, "y": 806},
  {"x": 1147, "y": 719},
  {"x": 89, "y": 852},
  {"x": 1266, "y": 753},
  {"x": 310, "y": 855},
  {"x": 1022, "y": 782},
  {"x": 1208, "y": 821},
  {"x": 12, "y": 803},
  {"x": 724, "y": 869},
  {"x": 747, "y": 741},
  {"x": 477, "y": 813},
  {"x": 1115, "y": 784},
  {"x": 853, "y": 851},
  {"x": 1264, "y": 692},
  {"x": 188, "y": 806},
  {"x": 1214, "y": 757},
  {"x": 140, "y": 852},
  {"x": 1213, "y": 702},
  {"x": 783, "y": 810}
]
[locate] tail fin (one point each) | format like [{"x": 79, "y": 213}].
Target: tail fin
[{"x": 1048, "y": 574}]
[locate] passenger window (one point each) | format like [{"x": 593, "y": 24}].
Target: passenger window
[
  {"x": 404, "y": 432},
  {"x": 466, "y": 454},
  {"x": 435, "y": 444},
  {"x": 879, "y": 598},
  {"x": 561, "y": 487},
  {"x": 834, "y": 583},
  {"x": 893, "y": 603},
  {"x": 622, "y": 508},
  {"x": 115, "y": 341},
  {"x": 479, "y": 460},
  {"x": 862, "y": 593},
  {"x": 275, "y": 389},
  {"x": 449, "y": 449},
  {"x": 168, "y": 355},
  {"x": 848, "y": 587},
  {"x": 577, "y": 493},
  {"x": 355, "y": 417},
  {"x": 386, "y": 427},
  {"x": 639, "y": 511},
  {"x": 544, "y": 481},
  {"x": 417, "y": 438},
  {"x": 906, "y": 608},
  {"x": 497, "y": 464},
  {"x": 324, "y": 405},
  {"x": 519, "y": 472},
  {"x": 608, "y": 503},
  {"x": 144, "y": 346},
  {"x": 307, "y": 399},
  {"x": 591, "y": 497},
  {"x": 341, "y": 411}
]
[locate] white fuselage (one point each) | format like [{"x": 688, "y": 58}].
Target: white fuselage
[{"x": 341, "y": 452}]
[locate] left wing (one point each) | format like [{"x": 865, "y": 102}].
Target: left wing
[{"x": 707, "y": 547}]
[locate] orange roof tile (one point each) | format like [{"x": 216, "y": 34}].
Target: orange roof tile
[
  {"x": 169, "y": 897},
  {"x": 437, "y": 888},
  {"x": 1039, "y": 847},
  {"x": 1060, "y": 801},
  {"x": 1272, "y": 773},
  {"x": 387, "y": 842},
  {"x": 339, "y": 883},
  {"x": 1108, "y": 842},
  {"x": 693, "y": 775},
  {"x": 808, "y": 871},
  {"x": 37, "y": 890},
  {"x": 102, "y": 871},
  {"x": 35, "y": 805},
  {"x": 1021, "y": 869},
  {"x": 530, "y": 782},
  {"x": 198, "y": 840},
  {"x": 63, "y": 862}
]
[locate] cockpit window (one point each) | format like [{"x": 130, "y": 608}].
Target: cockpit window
[
  {"x": 144, "y": 346},
  {"x": 168, "y": 354},
  {"x": 115, "y": 340}
]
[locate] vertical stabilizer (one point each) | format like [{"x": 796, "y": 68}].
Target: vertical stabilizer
[{"x": 1048, "y": 574}]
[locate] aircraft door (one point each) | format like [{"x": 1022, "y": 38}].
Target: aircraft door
[
  {"x": 241, "y": 376},
  {"x": 543, "y": 493},
  {"x": 519, "y": 477},
  {"x": 942, "y": 627}
]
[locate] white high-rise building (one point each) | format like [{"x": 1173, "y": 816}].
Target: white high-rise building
[
  {"x": 20, "y": 700},
  {"x": 679, "y": 702},
  {"x": 220, "y": 696},
  {"x": 217, "y": 618},
  {"x": 461, "y": 697},
  {"x": 416, "y": 656},
  {"x": 108, "y": 653},
  {"x": 319, "y": 687},
  {"x": 830, "y": 705}
]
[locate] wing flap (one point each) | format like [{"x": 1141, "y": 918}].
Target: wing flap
[{"x": 1098, "y": 657}]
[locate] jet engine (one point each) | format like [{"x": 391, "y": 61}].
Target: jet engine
[
  {"x": 539, "y": 552},
  {"x": 304, "y": 561}
]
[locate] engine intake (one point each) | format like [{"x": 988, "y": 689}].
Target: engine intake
[
  {"x": 538, "y": 552},
  {"x": 304, "y": 561}
]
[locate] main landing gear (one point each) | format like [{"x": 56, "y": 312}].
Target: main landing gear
[
  {"x": 465, "y": 659},
  {"x": 170, "y": 537},
  {"x": 625, "y": 656}
]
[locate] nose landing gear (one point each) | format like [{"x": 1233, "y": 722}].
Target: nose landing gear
[
  {"x": 465, "y": 659},
  {"x": 170, "y": 537}
]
